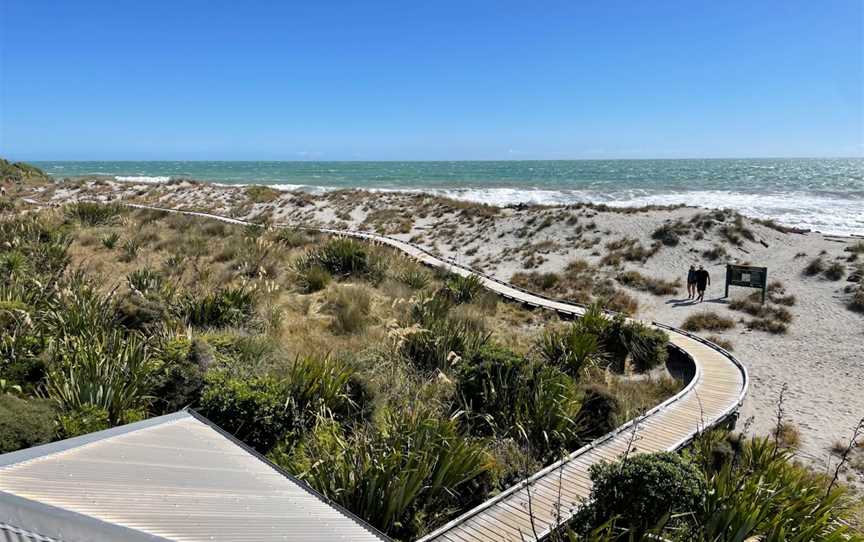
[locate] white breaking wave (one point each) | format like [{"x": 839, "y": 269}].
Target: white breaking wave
[{"x": 142, "y": 179}]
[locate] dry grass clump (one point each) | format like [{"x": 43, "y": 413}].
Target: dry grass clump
[
  {"x": 814, "y": 267},
  {"x": 736, "y": 231},
  {"x": 856, "y": 301},
  {"x": 670, "y": 233},
  {"x": 579, "y": 283},
  {"x": 707, "y": 321},
  {"x": 787, "y": 435},
  {"x": 777, "y": 294},
  {"x": 834, "y": 271},
  {"x": 638, "y": 281},
  {"x": 770, "y": 318},
  {"x": 350, "y": 306},
  {"x": 715, "y": 253},
  {"x": 262, "y": 194},
  {"x": 627, "y": 249},
  {"x": 721, "y": 342}
]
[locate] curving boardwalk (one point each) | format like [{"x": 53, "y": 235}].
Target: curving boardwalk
[{"x": 533, "y": 508}]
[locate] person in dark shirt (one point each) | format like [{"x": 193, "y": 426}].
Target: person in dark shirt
[
  {"x": 703, "y": 279},
  {"x": 691, "y": 282}
]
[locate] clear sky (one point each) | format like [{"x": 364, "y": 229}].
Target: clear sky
[{"x": 404, "y": 79}]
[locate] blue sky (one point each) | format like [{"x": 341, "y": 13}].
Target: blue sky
[{"x": 403, "y": 80}]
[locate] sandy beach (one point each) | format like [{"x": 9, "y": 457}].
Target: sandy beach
[{"x": 819, "y": 356}]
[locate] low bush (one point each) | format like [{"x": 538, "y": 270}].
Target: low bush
[
  {"x": 317, "y": 384},
  {"x": 415, "y": 277},
  {"x": 640, "y": 491},
  {"x": 84, "y": 420},
  {"x": 668, "y": 234},
  {"x": 646, "y": 345},
  {"x": 178, "y": 374},
  {"x": 292, "y": 238},
  {"x": 93, "y": 214},
  {"x": 571, "y": 349},
  {"x": 707, "y": 321},
  {"x": 224, "y": 307},
  {"x": 463, "y": 289},
  {"x": 24, "y": 422},
  {"x": 313, "y": 279},
  {"x": 766, "y": 324},
  {"x": 508, "y": 396},
  {"x": 599, "y": 413},
  {"x": 398, "y": 476},
  {"x": 436, "y": 337},
  {"x": 856, "y": 301},
  {"x": 109, "y": 371},
  {"x": 256, "y": 409},
  {"x": 110, "y": 240},
  {"x": 342, "y": 257}
]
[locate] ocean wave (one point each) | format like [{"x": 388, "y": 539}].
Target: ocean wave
[{"x": 142, "y": 179}]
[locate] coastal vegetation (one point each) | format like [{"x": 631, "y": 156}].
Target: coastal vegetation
[
  {"x": 370, "y": 377},
  {"x": 405, "y": 394}
]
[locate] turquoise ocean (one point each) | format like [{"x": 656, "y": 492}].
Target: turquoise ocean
[{"x": 820, "y": 194}]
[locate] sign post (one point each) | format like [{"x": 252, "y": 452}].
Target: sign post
[{"x": 747, "y": 276}]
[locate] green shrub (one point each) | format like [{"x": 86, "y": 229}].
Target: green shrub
[
  {"x": 24, "y": 423},
  {"x": 342, "y": 257},
  {"x": 856, "y": 302},
  {"x": 463, "y": 289},
  {"x": 646, "y": 345},
  {"x": 707, "y": 320},
  {"x": 508, "y": 396},
  {"x": 313, "y": 279},
  {"x": 93, "y": 214},
  {"x": 292, "y": 238},
  {"x": 439, "y": 336},
  {"x": 326, "y": 383},
  {"x": 571, "y": 349},
  {"x": 415, "y": 277},
  {"x": 599, "y": 413},
  {"x": 110, "y": 240},
  {"x": 108, "y": 371},
  {"x": 178, "y": 375},
  {"x": 82, "y": 421},
  {"x": 224, "y": 307},
  {"x": 640, "y": 490},
  {"x": 256, "y": 410},
  {"x": 412, "y": 468}
]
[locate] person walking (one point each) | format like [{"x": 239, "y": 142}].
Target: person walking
[
  {"x": 703, "y": 280},
  {"x": 691, "y": 282}
]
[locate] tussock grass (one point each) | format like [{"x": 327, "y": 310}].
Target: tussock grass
[
  {"x": 814, "y": 267},
  {"x": 707, "y": 321},
  {"x": 638, "y": 281}
]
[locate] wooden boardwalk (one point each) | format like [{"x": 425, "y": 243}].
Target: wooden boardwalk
[{"x": 532, "y": 509}]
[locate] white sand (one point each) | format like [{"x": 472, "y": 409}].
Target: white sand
[{"x": 821, "y": 358}]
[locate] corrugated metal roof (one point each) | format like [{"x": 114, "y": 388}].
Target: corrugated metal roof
[{"x": 175, "y": 477}]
